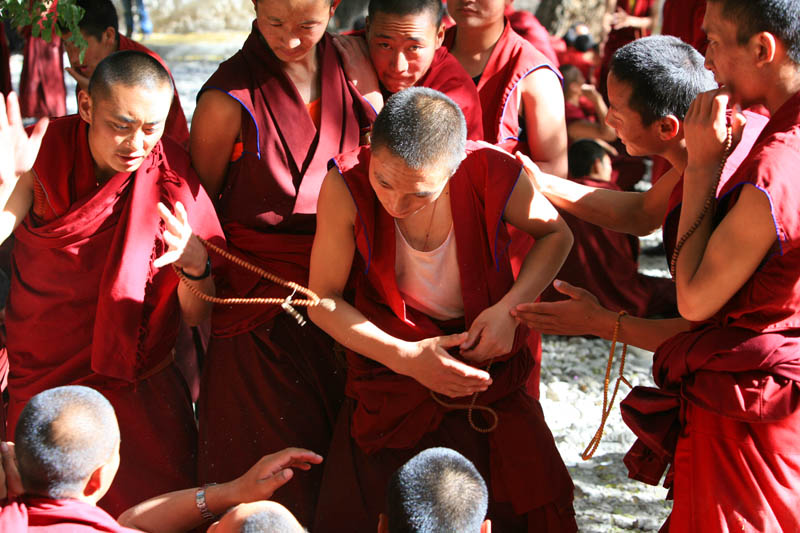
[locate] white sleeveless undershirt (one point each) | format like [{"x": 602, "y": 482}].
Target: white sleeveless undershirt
[{"x": 429, "y": 281}]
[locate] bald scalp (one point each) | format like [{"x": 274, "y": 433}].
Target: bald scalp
[
  {"x": 781, "y": 18},
  {"x": 272, "y": 517},
  {"x": 408, "y": 7},
  {"x": 130, "y": 68},
  {"x": 423, "y": 127},
  {"x": 63, "y": 435}
]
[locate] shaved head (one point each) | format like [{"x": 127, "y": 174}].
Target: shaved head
[
  {"x": 130, "y": 68},
  {"x": 258, "y": 517},
  {"x": 63, "y": 435},
  {"x": 408, "y": 7},
  {"x": 781, "y": 18}
]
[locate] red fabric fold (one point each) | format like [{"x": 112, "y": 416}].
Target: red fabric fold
[{"x": 63, "y": 516}]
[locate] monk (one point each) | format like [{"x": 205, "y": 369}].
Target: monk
[
  {"x": 402, "y": 47},
  {"x": 426, "y": 213},
  {"x": 652, "y": 83},
  {"x": 585, "y": 109},
  {"x": 100, "y": 28},
  {"x": 684, "y": 19},
  {"x": 77, "y": 425},
  {"x": 266, "y": 124},
  {"x": 92, "y": 303},
  {"x": 605, "y": 262},
  {"x": 724, "y": 415}
]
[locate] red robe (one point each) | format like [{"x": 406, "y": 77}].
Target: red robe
[
  {"x": 684, "y": 19},
  {"x": 529, "y": 28},
  {"x": 87, "y": 307},
  {"x": 5, "y": 66},
  {"x": 57, "y": 516},
  {"x": 175, "y": 127},
  {"x": 42, "y": 92},
  {"x": 512, "y": 59},
  {"x": 389, "y": 417},
  {"x": 726, "y": 411},
  {"x": 269, "y": 383},
  {"x": 605, "y": 263}
]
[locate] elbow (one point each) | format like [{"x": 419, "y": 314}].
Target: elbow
[{"x": 694, "y": 309}]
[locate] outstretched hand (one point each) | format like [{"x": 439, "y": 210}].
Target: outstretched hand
[
  {"x": 576, "y": 316},
  {"x": 18, "y": 151},
  {"x": 433, "y": 367},
  {"x": 272, "y": 472},
  {"x": 185, "y": 250}
]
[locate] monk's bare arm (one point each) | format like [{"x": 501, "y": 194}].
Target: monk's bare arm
[
  {"x": 492, "y": 332},
  {"x": 582, "y": 314},
  {"x": 543, "y": 110},
  {"x": 637, "y": 213},
  {"x": 716, "y": 262},
  {"x": 331, "y": 261},
  {"x": 216, "y": 124},
  {"x": 176, "y": 512}
]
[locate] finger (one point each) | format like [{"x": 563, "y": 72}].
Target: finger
[
  {"x": 738, "y": 122},
  {"x": 719, "y": 107},
  {"x": 13, "y": 479},
  {"x": 173, "y": 223},
  {"x": 14, "y": 115},
  {"x": 167, "y": 259},
  {"x": 450, "y": 341},
  {"x": 287, "y": 456},
  {"x": 473, "y": 336},
  {"x": 268, "y": 485},
  {"x": 570, "y": 290},
  {"x": 38, "y": 134},
  {"x": 466, "y": 374},
  {"x": 172, "y": 240},
  {"x": 3, "y": 113}
]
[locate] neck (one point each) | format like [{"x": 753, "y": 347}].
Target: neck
[
  {"x": 786, "y": 86},
  {"x": 474, "y": 45},
  {"x": 677, "y": 155}
]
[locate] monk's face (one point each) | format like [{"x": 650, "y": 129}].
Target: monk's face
[
  {"x": 292, "y": 28},
  {"x": 730, "y": 62},
  {"x": 403, "y": 190},
  {"x": 402, "y": 47},
  {"x": 477, "y": 13},
  {"x": 639, "y": 140},
  {"x": 96, "y": 51},
  {"x": 124, "y": 125}
]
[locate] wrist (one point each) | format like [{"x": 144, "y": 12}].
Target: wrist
[
  {"x": 197, "y": 274},
  {"x": 221, "y": 497}
]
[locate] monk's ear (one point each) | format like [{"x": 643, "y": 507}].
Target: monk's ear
[
  {"x": 440, "y": 34},
  {"x": 763, "y": 46},
  {"x": 109, "y": 39},
  {"x": 486, "y": 527},
  {"x": 95, "y": 484},
  {"x": 668, "y": 128},
  {"x": 85, "y": 106}
]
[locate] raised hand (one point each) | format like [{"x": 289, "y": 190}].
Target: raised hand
[
  {"x": 185, "y": 250},
  {"x": 431, "y": 365},
  {"x": 18, "y": 151}
]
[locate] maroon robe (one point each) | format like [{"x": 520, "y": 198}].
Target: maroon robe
[
  {"x": 269, "y": 383},
  {"x": 684, "y": 19},
  {"x": 5, "y": 66},
  {"x": 87, "y": 307},
  {"x": 389, "y": 417},
  {"x": 726, "y": 413},
  {"x": 42, "y": 92},
  {"x": 175, "y": 127},
  {"x": 57, "y": 516},
  {"x": 605, "y": 263},
  {"x": 529, "y": 28}
]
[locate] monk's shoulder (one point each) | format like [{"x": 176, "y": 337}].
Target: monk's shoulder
[{"x": 486, "y": 163}]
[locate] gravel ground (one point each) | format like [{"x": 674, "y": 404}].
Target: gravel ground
[{"x": 573, "y": 368}]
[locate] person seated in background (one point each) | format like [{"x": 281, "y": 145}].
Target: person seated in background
[
  {"x": 436, "y": 491},
  {"x": 585, "y": 108},
  {"x": 605, "y": 262},
  {"x": 99, "y": 26},
  {"x": 579, "y": 48},
  {"x": 402, "y": 46},
  {"x": 65, "y": 457}
]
